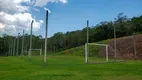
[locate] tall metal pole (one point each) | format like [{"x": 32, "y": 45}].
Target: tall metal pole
[
  {"x": 86, "y": 54},
  {"x": 87, "y": 31},
  {"x": 45, "y": 52},
  {"x": 22, "y": 45},
  {"x": 41, "y": 51},
  {"x": 114, "y": 42},
  {"x": 26, "y": 50},
  {"x": 54, "y": 50},
  {"x": 14, "y": 46},
  {"x": 30, "y": 51},
  {"x": 9, "y": 50},
  {"x": 134, "y": 43},
  {"x": 18, "y": 44},
  {"x": 87, "y": 41}
]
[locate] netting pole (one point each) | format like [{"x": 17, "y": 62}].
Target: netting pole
[
  {"x": 106, "y": 53},
  {"x": 54, "y": 50},
  {"x": 86, "y": 54},
  {"x": 26, "y": 50},
  {"x": 134, "y": 43},
  {"x": 14, "y": 46},
  {"x": 87, "y": 32},
  {"x": 40, "y": 51},
  {"x": 114, "y": 42},
  {"x": 46, "y": 38},
  {"x": 18, "y": 44},
  {"x": 22, "y": 45},
  {"x": 9, "y": 50},
  {"x": 30, "y": 51},
  {"x": 86, "y": 45}
]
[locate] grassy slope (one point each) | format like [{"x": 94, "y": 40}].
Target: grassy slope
[
  {"x": 67, "y": 68},
  {"x": 79, "y": 51}
]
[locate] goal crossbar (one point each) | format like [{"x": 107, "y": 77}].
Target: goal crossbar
[
  {"x": 96, "y": 44},
  {"x": 86, "y": 50}
]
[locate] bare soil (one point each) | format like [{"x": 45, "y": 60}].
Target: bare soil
[{"x": 125, "y": 47}]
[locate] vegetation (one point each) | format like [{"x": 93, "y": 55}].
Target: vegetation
[
  {"x": 80, "y": 50},
  {"x": 61, "y": 41},
  {"x": 67, "y": 68}
]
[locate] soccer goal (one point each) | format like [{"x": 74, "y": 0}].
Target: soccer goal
[
  {"x": 96, "y": 53},
  {"x": 36, "y": 52}
]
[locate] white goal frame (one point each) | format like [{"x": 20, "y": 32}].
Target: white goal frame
[
  {"x": 86, "y": 50},
  {"x": 37, "y": 50}
]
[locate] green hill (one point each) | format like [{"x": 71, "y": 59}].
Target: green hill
[
  {"x": 124, "y": 49},
  {"x": 80, "y": 51}
]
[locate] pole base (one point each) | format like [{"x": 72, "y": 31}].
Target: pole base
[
  {"x": 45, "y": 64},
  {"x": 30, "y": 59}
]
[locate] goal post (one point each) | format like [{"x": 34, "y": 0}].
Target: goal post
[
  {"x": 94, "y": 44},
  {"x": 40, "y": 51}
]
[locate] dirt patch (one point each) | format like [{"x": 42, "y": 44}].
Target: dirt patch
[{"x": 125, "y": 47}]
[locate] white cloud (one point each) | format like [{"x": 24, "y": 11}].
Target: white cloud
[
  {"x": 47, "y": 9},
  {"x": 18, "y": 22},
  {"x": 12, "y": 6},
  {"x": 36, "y": 9},
  {"x": 19, "y": 1},
  {"x": 1, "y": 27},
  {"x": 15, "y": 16},
  {"x": 42, "y": 3}
]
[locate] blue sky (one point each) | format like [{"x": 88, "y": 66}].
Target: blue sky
[{"x": 73, "y": 15}]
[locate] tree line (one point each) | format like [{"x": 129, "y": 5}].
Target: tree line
[{"x": 61, "y": 41}]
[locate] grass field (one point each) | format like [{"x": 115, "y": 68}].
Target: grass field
[{"x": 67, "y": 68}]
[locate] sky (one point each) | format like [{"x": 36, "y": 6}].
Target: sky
[{"x": 65, "y": 15}]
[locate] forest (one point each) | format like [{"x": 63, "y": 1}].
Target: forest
[{"x": 61, "y": 41}]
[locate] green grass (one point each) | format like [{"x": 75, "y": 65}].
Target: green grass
[{"x": 64, "y": 67}]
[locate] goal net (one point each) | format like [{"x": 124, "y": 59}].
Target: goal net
[{"x": 96, "y": 53}]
